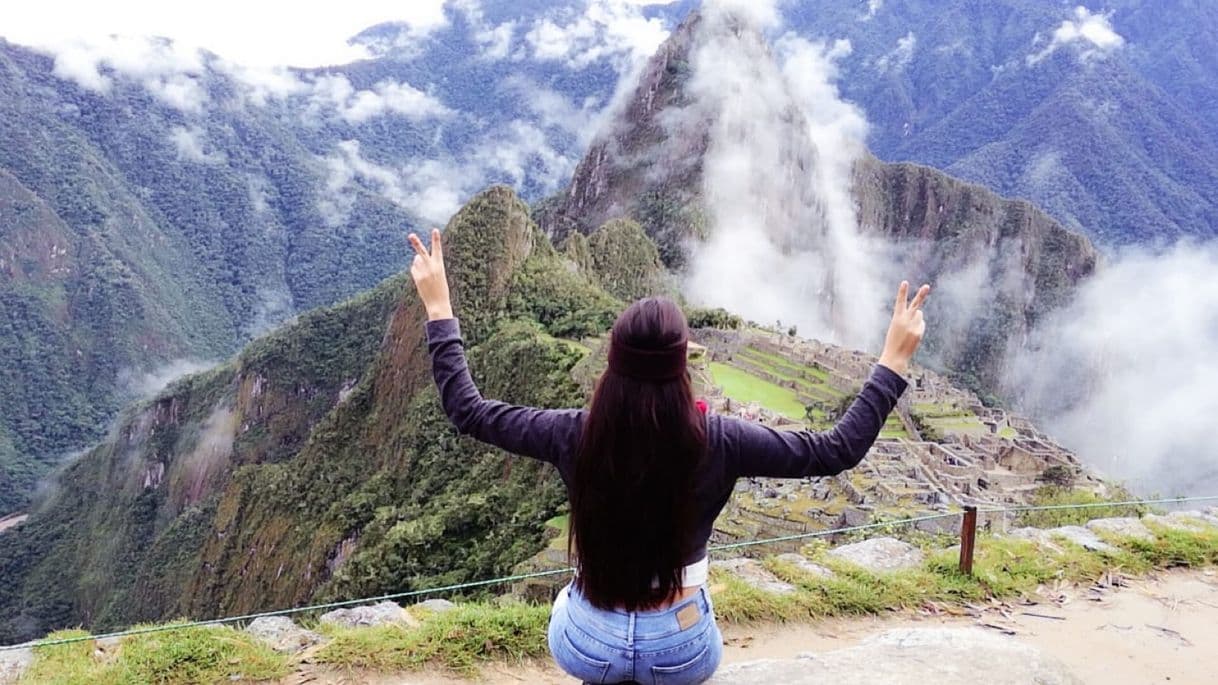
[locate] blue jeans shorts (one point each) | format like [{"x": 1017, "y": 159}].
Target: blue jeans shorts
[{"x": 649, "y": 647}]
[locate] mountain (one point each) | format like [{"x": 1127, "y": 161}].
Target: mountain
[
  {"x": 1104, "y": 117},
  {"x": 957, "y": 235},
  {"x": 318, "y": 462},
  {"x": 160, "y": 207}
]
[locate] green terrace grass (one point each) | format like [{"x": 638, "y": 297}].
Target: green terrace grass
[
  {"x": 778, "y": 360},
  {"x": 745, "y": 387},
  {"x": 476, "y": 634},
  {"x": 459, "y": 640},
  {"x": 1053, "y": 495},
  {"x": 172, "y": 657}
]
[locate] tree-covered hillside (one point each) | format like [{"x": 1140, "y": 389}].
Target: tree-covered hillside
[{"x": 318, "y": 462}]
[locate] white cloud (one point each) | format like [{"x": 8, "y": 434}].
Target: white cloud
[
  {"x": 900, "y": 56},
  {"x": 777, "y": 178},
  {"x": 614, "y": 29},
  {"x": 172, "y": 72},
  {"x": 191, "y": 144},
  {"x": 264, "y": 33},
  {"x": 1124, "y": 374},
  {"x": 496, "y": 42},
  {"x": 334, "y": 91},
  {"x": 389, "y": 97},
  {"x": 1093, "y": 33},
  {"x": 434, "y": 189},
  {"x": 873, "y": 8}
]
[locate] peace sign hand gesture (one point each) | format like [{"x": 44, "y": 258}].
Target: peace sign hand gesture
[
  {"x": 905, "y": 331},
  {"x": 429, "y": 277}
]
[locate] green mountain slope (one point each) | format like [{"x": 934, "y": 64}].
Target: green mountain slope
[
  {"x": 248, "y": 487},
  {"x": 133, "y": 235}
]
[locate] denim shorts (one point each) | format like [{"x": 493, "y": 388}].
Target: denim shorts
[{"x": 649, "y": 647}]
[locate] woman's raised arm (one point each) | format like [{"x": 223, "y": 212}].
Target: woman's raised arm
[{"x": 545, "y": 434}]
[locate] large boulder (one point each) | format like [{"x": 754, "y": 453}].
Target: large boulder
[
  {"x": 802, "y": 563},
  {"x": 282, "y": 635},
  {"x": 1076, "y": 534},
  {"x": 912, "y": 656},
  {"x": 14, "y": 663},
  {"x": 370, "y": 615},
  {"x": 1122, "y": 527},
  {"x": 753, "y": 573},
  {"x": 880, "y": 555}
]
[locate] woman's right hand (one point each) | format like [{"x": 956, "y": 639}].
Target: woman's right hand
[
  {"x": 905, "y": 331},
  {"x": 427, "y": 269}
]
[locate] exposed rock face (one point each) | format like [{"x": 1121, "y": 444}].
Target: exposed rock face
[
  {"x": 802, "y": 563},
  {"x": 911, "y": 657},
  {"x": 437, "y": 606},
  {"x": 1125, "y": 527},
  {"x": 650, "y": 169},
  {"x": 1075, "y": 534},
  {"x": 753, "y": 573},
  {"x": 13, "y": 664},
  {"x": 371, "y": 615},
  {"x": 880, "y": 555},
  {"x": 282, "y": 635}
]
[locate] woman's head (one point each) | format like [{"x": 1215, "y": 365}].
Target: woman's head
[{"x": 632, "y": 506}]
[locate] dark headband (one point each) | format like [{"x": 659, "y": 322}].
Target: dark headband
[{"x": 661, "y": 364}]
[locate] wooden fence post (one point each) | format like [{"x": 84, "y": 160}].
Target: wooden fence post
[{"x": 968, "y": 539}]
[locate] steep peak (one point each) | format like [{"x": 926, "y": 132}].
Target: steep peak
[{"x": 485, "y": 242}]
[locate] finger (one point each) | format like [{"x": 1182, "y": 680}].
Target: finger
[
  {"x": 902, "y": 298},
  {"x": 437, "y": 245},
  {"x": 919, "y": 298},
  {"x": 919, "y": 323},
  {"x": 418, "y": 245}
]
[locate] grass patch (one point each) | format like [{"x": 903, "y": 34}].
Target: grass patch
[
  {"x": 745, "y": 387},
  {"x": 459, "y": 640},
  {"x": 172, "y": 657},
  {"x": 1055, "y": 495}
]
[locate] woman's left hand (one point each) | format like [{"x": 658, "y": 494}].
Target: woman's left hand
[{"x": 429, "y": 277}]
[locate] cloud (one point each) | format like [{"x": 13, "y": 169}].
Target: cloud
[
  {"x": 191, "y": 145},
  {"x": 266, "y": 33},
  {"x": 145, "y": 384},
  {"x": 334, "y": 92},
  {"x": 613, "y": 29},
  {"x": 1124, "y": 374},
  {"x": 434, "y": 189},
  {"x": 170, "y": 71},
  {"x": 1092, "y": 33},
  {"x": 777, "y": 180},
  {"x": 873, "y": 8},
  {"x": 900, "y": 57}
]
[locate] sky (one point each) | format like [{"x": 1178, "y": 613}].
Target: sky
[
  {"x": 267, "y": 33},
  {"x": 259, "y": 33}
]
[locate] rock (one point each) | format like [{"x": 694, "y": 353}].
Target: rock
[
  {"x": 436, "y": 606},
  {"x": 802, "y": 563},
  {"x": 13, "y": 664},
  {"x": 1190, "y": 521},
  {"x": 754, "y": 574},
  {"x": 282, "y": 635},
  {"x": 1122, "y": 527},
  {"x": 854, "y": 516},
  {"x": 371, "y": 615},
  {"x": 1075, "y": 534},
  {"x": 880, "y": 555},
  {"x": 1083, "y": 538},
  {"x": 911, "y": 656}
]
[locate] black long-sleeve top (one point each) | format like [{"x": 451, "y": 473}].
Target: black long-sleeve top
[{"x": 737, "y": 448}]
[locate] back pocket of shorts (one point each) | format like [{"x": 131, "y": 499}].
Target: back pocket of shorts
[
  {"x": 695, "y": 670},
  {"x": 576, "y": 663}
]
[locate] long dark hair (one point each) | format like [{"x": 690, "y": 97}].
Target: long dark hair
[{"x": 632, "y": 503}]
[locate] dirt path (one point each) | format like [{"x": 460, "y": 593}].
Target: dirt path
[{"x": 1155, "y": 630}]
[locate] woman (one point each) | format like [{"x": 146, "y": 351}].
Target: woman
[{"x": 647, "y": 473}]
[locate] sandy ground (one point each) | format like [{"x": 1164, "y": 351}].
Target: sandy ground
[{"x": 1162, "y": 629}]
